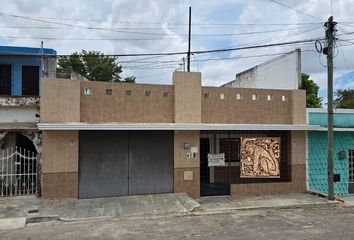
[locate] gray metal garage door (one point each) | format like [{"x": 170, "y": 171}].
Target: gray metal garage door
[{"x": 120, "y": 163}]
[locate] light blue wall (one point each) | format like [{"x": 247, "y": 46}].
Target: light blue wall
[
  {"x": 340, "y": 119},
  {"x": 16, "y": 63},
  {"x": 317, "y": 161},
  {"x": 18, "y": 57},
  {"x": 317, "y": 152}
]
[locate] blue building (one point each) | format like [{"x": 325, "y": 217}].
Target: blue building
[
  {"x": 343, "y": 151},
  {"x": 21, "y": 69}
]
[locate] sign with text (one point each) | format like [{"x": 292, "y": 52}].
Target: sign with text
[{"x": 215, "y": 160}]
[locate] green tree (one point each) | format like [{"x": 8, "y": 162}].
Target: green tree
[
  {"x": 344, "y": 99},
  {"x": 94, "y": 66},
  {"x": 312, "y": 98}
]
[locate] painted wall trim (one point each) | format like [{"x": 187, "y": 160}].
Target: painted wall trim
[
  {"x": 324, "y": 110},
  {"x": 174, "y": 126}
]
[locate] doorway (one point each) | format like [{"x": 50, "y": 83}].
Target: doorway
[
  {"x": 351, "y": 171},
  {"x": 5, "y": 79},
  {"x": 215, "y": 181},
  {"x": 30, "y": 80}
]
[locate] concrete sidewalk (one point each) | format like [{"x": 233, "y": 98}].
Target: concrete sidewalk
[
  {"x": 349, "y": 201},
  {"x": 15, "y": 212},
  {"x": 32, "y": 209},
  {"x": 227, "y": 203}
]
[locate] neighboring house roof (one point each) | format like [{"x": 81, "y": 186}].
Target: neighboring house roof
[
  {"x": 282, "y": 72},
  {"x": 343, "y": 118},
  {"x": 7, "y": 50},
  {"x": 173, "y": 126}
]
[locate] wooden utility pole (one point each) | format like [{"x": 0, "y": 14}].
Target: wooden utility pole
[
  {"x": 330, "y": 40},
  {"x": 189, "y": 41}
]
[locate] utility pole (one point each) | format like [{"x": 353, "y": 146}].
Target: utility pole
[
  {"x": 42, "y": 60},
  {"x": 189, "y": 41},
  {"x": 330, "y": 40},
  {"x": 184, "y": 64}
]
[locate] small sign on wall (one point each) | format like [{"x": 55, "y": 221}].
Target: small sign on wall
[{"x": 215, "y": 160}]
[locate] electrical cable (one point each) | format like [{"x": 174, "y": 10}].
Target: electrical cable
[
  {"x": 201, "y": 51},
  {"x": 298, "y": 11},
  {"x": 152, "y": 23}
]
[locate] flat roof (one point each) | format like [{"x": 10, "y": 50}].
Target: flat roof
[
  {"x": 18, "y": 126},
  {"x": 13, "y": 50},
  {"x": 175, "y": 126},
  {"x": 324, "y": 110}
]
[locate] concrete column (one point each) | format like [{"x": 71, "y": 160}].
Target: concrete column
[
  {"x": 187, "y": 88},
  {"x": 60, "y": 100},
  {"x": 60, "y": 159},
  {"x": 187, "y": 92},
  {"x": 16, "y": 75},
  {"x": 298, "y": 160},
  {"x": 186, "y": 165},
  {"x": 298, "y": 106}
]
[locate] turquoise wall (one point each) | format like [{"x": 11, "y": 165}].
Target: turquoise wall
[
  {"x": 344, "y": 120},
  {"x": 317, "y": 161}
]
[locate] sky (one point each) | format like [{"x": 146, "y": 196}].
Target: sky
[{"x": 159, "y": 26}]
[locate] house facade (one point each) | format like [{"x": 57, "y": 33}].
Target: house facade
[
  {"x": 105, "y": 139},
  {"x": 343, "y": 151},
  {"x": 21, "y": 70}
]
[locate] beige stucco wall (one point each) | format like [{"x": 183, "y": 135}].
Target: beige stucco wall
[
  {"x": 60, "y": 159},
  {"x": 232, "y": 111},
  {"x": 60, "y": 100},
  {"x": 187, "y": 86},
  {"x": 298, "y": 107},
  {"x": 119, "y": 107},
  {"x": 186, "y": 170},
  {"x": 187, "y": 102}
]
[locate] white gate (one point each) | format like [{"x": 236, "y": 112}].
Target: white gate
[{"x": 19, "y": 172}]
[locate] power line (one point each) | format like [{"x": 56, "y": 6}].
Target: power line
[
  {"x": 147, "y": 39},
  {"x": 150, "y": 23},
  {"x": 72, "y": 25},
  {"x": 204, "y": 51},
  {"x": 151, "y": 75},
  {"x": 259, "y": 46},
  {"x": 298, "y": 11},
  {"x": 110, "y": 28},
  {"x": 284, "y": 36},
  {"x": 252, "y": 56},
  {"x": 346, "y": 63},
  {"x": 171, "y": 62}
]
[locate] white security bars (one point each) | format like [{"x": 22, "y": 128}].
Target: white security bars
[{"x": 19, "y": 172}]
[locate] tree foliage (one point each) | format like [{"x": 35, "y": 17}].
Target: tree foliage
[
  {"x": 344, "y": 99},
  {"x": 94, "y": 66},
  {"x": 312, "y": 98}
]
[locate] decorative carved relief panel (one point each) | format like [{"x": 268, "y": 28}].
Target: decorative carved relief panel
[{"x": 260, "y": 157}]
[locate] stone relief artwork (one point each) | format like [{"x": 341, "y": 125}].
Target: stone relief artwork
[{"x": 260, "y": 157}]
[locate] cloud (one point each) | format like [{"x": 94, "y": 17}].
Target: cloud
[{"x": 165, "y": 22}]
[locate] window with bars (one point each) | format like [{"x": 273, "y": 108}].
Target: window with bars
[{"x": 351, "y": 165}]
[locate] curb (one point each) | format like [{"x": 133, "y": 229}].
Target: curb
[
  {"x": 195, "y": 212},
  {"x": 234, "y": 210},
  {"x": 42, "y": 219},
  {"x": 12, "y": 223}
]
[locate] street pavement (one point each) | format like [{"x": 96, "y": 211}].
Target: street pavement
[
  {"x": 18, "y": 212},
  {"x": 278, "y": 223}
]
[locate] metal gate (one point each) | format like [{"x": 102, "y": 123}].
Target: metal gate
[
  {"x": 216, "y": 180},
  {"x": 19, "y": 172},
  {"x": 121, "y": 163},
  {"x": 351, "y": 171}
]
